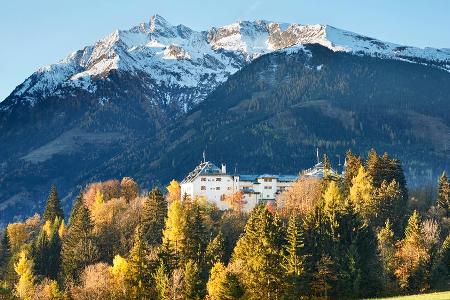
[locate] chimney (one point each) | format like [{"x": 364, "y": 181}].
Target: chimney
[{"x": 224, "y": 169}]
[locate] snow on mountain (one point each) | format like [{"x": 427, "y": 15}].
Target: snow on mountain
[{"x": 193, "y": 62}]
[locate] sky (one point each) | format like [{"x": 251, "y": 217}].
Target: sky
[{"x": 36, "y": 33}]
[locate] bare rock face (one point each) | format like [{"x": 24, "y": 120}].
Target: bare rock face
[{"x": 176, "y": 52}]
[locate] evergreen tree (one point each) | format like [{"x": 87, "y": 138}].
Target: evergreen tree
[
  {"x": 413, "y": 257},
  {"x": 193, "y": 285},
  {"x": 355, "y": 254},
  {"x": 215, "y": 251},
  {"x": 79, "y": 248},
  {"x": 223, "y": 284},
  {"x": 292, "y": 258},
  {"x": 388, "y": 204},
  {"x": 54, "y": 251},
  {"x": 154, "y": 212},
  {"x": 195, "y": 234},
  {"x": 333, "y": 201},
  {"x": 386, "y": 252},
  {"x": 39, "y": 253},
  {"x": 53, "y": 208},
  {"x": 161, "y": 283},
  {"x": 175, "y": 227},
  {"x": 258, "y": 254},
  {"x": 361, "y": 194},
  {"x": 5, "y": 252},
  {"x": 383, "y": 168},
  {"x": 440, "y": 272},
  {"x": 443, "y": 194},
  {"x": 352, "y": 165},
  {"x": 77, "y": 204},
  {"x": 138, "y": 278},
  {"x": 326, "y": 167}
]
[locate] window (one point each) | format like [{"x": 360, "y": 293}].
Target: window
[
  {"x": 229, "y": 188},
  {"x": 203, "y": 179},
  {"x": 203, "y": 188},
  {"x": 218, "y": 179},
  {"x": 267, "y": 187},
  {"x": 218, "y": 188},
  {"x": 267, "y": 179}
]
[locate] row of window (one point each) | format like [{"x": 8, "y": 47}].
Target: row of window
[
  {"x": 203, "y": 188},
  {"x": 217, "y": 179}
]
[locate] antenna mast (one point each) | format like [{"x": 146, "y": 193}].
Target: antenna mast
[
  {"x": 204, "y": 156},
  {"x": 317, "y": 153}
]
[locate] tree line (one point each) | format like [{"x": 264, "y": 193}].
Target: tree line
[{"x": 338, "y": 237}]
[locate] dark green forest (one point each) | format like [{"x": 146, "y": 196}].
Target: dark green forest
[
  {"x": 268, "y": 117},
  {"x": 362, "y": 234}
]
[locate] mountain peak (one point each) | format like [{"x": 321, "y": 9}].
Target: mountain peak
[
  {"x": 179, "y": 56},
  {"x": 157, "y": 21}
]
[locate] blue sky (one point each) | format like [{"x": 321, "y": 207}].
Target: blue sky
[{"x": 35, "y": 33}]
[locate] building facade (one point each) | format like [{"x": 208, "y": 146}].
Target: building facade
[{"x": 213, "y": 183}]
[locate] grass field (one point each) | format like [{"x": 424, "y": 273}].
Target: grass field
[{"x": 431, "y": 296}]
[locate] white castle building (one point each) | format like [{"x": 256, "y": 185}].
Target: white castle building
[{"x": 213, "y": 183}]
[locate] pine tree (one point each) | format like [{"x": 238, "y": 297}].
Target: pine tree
[
  {"x": 174, "y": 230},
  {"x": 361, "y": 194},
  {"x": 79, "y": 248},
  {"x": 352, "y": 165},
  {"x": 389, "y": 204},
  {"x": 77, "y": 204},
  {"x": 5, "y": 252},
  {"x": 53, "y": 208},
  {"x": 440, "y": 271},
  {"x": 413, "y": 257},
  {"x": 154, "y": 212},
  {"x": 443, "y": 197},
  {"x": 161, "y": 283},
  {"x": 139, "y": 279},
  {"x": 54, "y": 251},
  {"x": 193, "y": 285},
  {"x": 174, "y": 191},
  {"x": 39, "y": 253},
  {"x": 386, "y": 251},
  {"x": 326, "y": 167},
  {"x": 223, "y": 284},
  {"x": 333, "y": 200},
  {"x": 195, "y": 234},
  {"x": 292, "y": 258},
  {"x": 258, "y": 254},
  {"x": 215, "y": 251}
]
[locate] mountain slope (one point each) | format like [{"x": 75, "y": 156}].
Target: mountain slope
[
  {"x": 271, "y": 115},
  {"x": 125, "y": 106}
]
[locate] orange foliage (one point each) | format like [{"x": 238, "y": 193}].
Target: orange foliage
[{"x": 301, "y": 197}]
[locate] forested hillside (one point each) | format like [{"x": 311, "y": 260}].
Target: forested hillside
[
  {"x": 268, "y": 117},
  {"x": 359, "y": 235}
]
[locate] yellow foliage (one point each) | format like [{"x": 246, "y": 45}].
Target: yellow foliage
[
  {"x": 48, "y": 290},
  {"x": 361, "y": 193},
  {"x": 174, "y": 191},
  {"x": 216, "y": 281},
  {"x": 61, "y": 229},
  {"x": 24, "y": 268},
  {"x": 17, "y": 233},
  {"x": 47, "y": 227},
  {"x": 333, "y": 199},
  {"x": 120, "y": 266},
  {"x": 173, "y": 234},
  {"x": 99, "y": 197}
]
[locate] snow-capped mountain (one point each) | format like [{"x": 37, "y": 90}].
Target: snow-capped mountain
[{"x": 183, "y": 66}]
